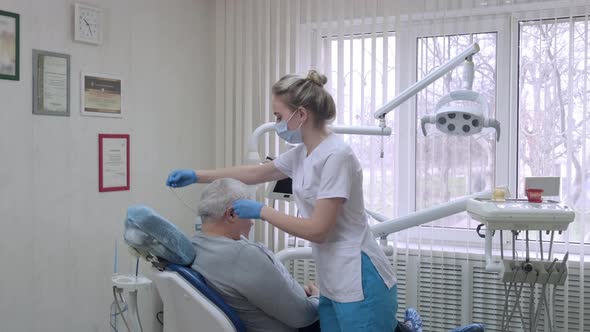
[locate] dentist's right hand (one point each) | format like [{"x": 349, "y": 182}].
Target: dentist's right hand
[
  {"x": 181, "y": 178},
  {"x": 247, "y": 208}
]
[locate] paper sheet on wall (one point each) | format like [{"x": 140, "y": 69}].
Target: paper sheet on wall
[
  {"x": 55, "y": 80},
  {"x": 114, "y": 162}
]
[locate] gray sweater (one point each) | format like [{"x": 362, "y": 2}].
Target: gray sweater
[{"x": 250, "y": 280}]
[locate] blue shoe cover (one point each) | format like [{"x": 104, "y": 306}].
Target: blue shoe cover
[
  {"x": 413, "y": 317},
  {"x": 470, "y": 328}
]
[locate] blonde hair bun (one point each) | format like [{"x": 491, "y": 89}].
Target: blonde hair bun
[
  {"x": 317, "y": 78},
  {"x": 299, "y": 91}
]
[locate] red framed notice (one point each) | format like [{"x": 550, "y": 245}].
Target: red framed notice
[{"x": 113, "y": 162}]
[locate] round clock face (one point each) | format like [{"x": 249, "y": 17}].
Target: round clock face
[{"x": 88, "y": 25}]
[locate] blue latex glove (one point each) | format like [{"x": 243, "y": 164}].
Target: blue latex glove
[
  {"x": 247, "y": 209},
  {"x": 181, "y": 178}
]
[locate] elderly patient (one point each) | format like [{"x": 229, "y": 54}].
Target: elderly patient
[{"x": 247, "y": 276}]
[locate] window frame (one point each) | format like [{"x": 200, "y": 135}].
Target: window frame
[
  {"x": 407, "y": 113},
  {"x": 516, "y": 19}
]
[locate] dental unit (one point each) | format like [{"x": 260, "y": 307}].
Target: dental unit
[{"x": 184, "y": 303}]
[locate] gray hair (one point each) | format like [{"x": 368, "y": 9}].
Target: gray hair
[
  {"x": 308, "y": 92},
  {"x": 219, "y": 195}
]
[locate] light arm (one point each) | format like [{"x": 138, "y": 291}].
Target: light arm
[
  {"x": 254, "y": 156},
  {"x": 425, "y": 215},
  {"x": 389, "y": 226},
  {"x": 426, "y": 81}
]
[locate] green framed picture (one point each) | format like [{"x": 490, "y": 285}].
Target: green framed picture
[{"x": 9, "y": 46}]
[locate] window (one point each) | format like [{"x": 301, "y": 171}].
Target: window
[
  {"x": 553, "y": 112},
  {"x": 551, "y": 123},
  {"x": 447, "y": 166}
]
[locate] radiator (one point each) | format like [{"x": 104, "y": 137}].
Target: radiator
[{"x": 450, "y": 290}]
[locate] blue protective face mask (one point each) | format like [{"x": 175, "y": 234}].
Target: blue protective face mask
[{"x": 290, "y": 136}]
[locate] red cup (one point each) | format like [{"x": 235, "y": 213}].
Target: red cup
[{"x": 534, "y": 195}]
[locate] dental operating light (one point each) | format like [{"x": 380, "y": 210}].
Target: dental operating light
[
  {"x": 450, "y": 119},
  {"x": 461, "y": 120}
]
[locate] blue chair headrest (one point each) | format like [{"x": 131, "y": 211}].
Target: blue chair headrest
[
  {"x": 148, "y": 232},
  {"x": 197, "y": 280}
]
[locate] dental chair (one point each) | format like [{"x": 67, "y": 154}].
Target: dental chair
[{"x": 189, "y": 303}]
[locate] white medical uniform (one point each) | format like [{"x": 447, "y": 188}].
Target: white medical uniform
[{"x": 333, "y": 171}]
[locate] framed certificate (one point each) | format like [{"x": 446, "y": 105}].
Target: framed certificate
[
  {"x": 51, "y": 83},
  {"x": 113, "y": 162},
  {"x": 101, "y": 95},
  {"x": 9, "y": 46}
]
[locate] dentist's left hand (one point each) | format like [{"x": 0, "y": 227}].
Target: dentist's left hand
[
  {"x": 181, "y": 178},
  {"x": 247, "y": 209}
]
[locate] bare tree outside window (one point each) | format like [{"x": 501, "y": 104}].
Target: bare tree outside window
[
  {"x": 449, "y": 166},
  {"x": 553, "y": 112},
  {"x": 361, "y": 82}
]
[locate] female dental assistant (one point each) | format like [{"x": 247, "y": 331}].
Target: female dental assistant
[{"x": 357, "y": 285}]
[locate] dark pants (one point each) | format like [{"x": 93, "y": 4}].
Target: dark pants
[{"x": 315, "y": 327}]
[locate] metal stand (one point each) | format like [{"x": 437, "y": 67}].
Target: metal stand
[{"x": 131, "y": 284}]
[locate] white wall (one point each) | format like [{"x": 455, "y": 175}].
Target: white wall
[{"x": 57, "y": 231}]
